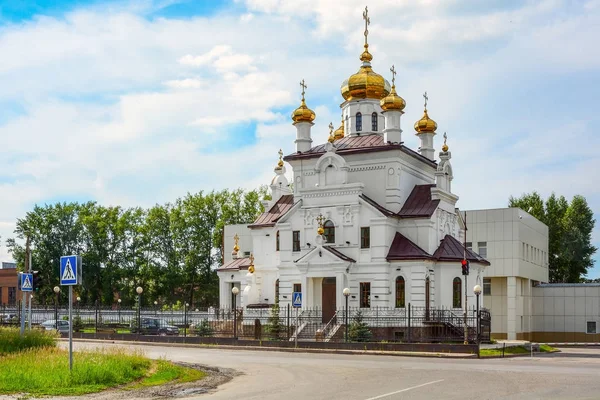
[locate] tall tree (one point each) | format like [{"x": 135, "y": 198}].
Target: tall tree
[{"x": 570, "y": 227}]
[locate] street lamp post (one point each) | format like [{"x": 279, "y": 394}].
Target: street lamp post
[
  {"x": 346, "y": 292},
  {"x": 139, "y": 292},
  {"x": 119, "y": 310},
  {"x": 155, "y": 307},
  {"x": 185, "y": 307},
  {"x": 235, "y": 292},
  {"x": 57, "y": 291},
  {"x": 477, "y": 291}
]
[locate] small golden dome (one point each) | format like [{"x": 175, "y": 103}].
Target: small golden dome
[
  {"x": 392, "y": 101},
  {"x": 251, "y": 269},
  {"x": 280, "y": 162},
  {"x": 445, "y": 146},
  {"x": 321, "y": 230},
  {"x": 339, "y": 132},
  {"x": 303, "y": 113},
  {"x": 425, "y": 124}
]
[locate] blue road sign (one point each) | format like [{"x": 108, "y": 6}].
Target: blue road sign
[
  {"x": 26, "y": 282},
  {"x": 68, "y": 270},
  {"x": 297, "y": 299}
]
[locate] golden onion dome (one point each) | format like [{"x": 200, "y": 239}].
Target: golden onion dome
[
  {"x": 425, "y": 124},
  {"x": 303, "y": 113},
  {"x": 339, "y": 132},
  {"x": 365, "y": 84},
  {"x": 392, "y": 101}
]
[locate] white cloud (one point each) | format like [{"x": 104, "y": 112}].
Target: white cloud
[{"x": 132, "y": 111}]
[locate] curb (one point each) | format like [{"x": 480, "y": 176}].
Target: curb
[{"x": 284, "y": 349}]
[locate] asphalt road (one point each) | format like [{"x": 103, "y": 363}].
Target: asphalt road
[{"x": 572, "y": 374}]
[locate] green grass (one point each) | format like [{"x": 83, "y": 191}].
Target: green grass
[
  {"x": 544, "y": 348},
  {"x": 12, "y": 342},
  {"x": 46, "y": 371},
  {"x": 168, "y": 372}
]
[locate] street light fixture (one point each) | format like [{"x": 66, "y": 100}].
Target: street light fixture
[
  {"x": 477, "y": 291},
  {"x": 57, "y": 291},
  {"x": 119, "y": 310},
  {"x": 155, "y": 307},
  {"x": 185, "y": 308},
  {"x": 235, "y": 292},
  {"x": 346, "y": 293},
  {"x": 139, "y": 292}
]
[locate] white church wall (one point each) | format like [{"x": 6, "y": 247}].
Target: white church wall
[{"x": 245, "y": 241}]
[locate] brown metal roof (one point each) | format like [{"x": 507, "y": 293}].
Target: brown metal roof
[
  {"x": 419, "y": 203},
  {"x": 452, "y": 250},
  {"x": 403, "y": 248},
  {"x": 235, "y": 265},
  {"x": 359, "y": 144},
  {"x": 268, "y": 218},
  {"x": 338, "y": 254}
]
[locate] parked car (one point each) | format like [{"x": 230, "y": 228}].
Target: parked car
[
  {"x": 50, "y": 325},
  {"x": 155, "y": 326}
]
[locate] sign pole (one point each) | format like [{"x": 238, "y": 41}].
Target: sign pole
[
  {"x": 297, "y": 328},
  {"x": 30, "y": 298},
  {"x": 23, "y": 311},
  {"x": 70, "y": 328}
]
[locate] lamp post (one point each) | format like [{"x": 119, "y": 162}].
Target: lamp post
[
  {"x": 78, "y": 303},
  {"x": 235, "y": 292},
  {"x": 57, "y": 291},
  {"x": 119, "y": 310},
  {"x": 139, "y": 292},
  {"x": 185, "y": 307},
  {"x": 346, "y": 292},
  {"x": 477, "y": 291},
  {"x": 155, "y": 307}
]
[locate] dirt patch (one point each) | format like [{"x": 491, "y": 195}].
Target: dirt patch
[{"x": 214, "y": 378}]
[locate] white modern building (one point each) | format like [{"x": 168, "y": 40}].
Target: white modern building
[{"x": 365, "y": 213}]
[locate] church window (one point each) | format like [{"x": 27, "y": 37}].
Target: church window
[
  {"x": 374, "y": 122},
  {"x": 482, "y": 249},
  {"x": 329, "y": 232},
  {"x": 365, "y": 237},
  {"x": 296, "y": 241},
  {"x": 487, "y": 287},
  {"x": 400, "y": 292},
  {"x": 365, "y": 294},
  {"x": 358, "y": 122},
  {"x": 297, "y": 287},
  {"x": 277, "y": 241},
  {"x": 277, "y": 291},
  {"x": 456, "y": 293}
]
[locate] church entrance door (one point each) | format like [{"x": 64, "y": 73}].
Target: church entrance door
[{"x": 328, "y": 296}]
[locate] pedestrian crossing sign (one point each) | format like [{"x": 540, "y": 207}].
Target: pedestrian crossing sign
[
  {"x": 26, "y": 282},
  {"x": 70, "y": 270},
  {"x": 297, "y": 299}
]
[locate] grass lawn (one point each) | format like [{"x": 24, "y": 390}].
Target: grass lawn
[
  {"x": 544, "y": 348},
  {"x": 45, "y": 371}
]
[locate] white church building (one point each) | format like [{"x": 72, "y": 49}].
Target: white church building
[{"x": 364, "y": 212}]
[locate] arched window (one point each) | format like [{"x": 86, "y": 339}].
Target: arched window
[
  {"x": 358, "y": 122},
  {"x": 374, "y": 122},
  {"x": 329, "y": 233},
  {"x": 277, "y": 291},
  {"x": 277, "y": 241},
  {"x": 456, "y": 293},
  {"x": 400, "y": 292}
]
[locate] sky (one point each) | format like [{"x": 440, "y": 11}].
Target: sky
[{"x": 140, "y": 102}]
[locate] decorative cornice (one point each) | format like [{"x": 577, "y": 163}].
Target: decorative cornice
[
  {"x": 332, "y": 193},
  {"x": 366, "y": 168}
]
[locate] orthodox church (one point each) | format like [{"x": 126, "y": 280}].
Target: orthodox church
[{"x": 364, "y": 212}]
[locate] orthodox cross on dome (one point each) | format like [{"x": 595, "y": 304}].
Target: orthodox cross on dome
[
  {"x": 367, "y": 23},
  {"x": 280, "y": 163},
  {"x": 445, "y": 137},
  {"x": 331, "y": 137},
  {"x": 426, "y": 99},
  {"x": 236, "y": 239},
  {"x": 251, "y": 266},
  {"x": 320, "y": 220},
  {"x": 303, "y": 88},
  {"x": 393, "y": 75},
  {"x": 445, "y": 146}
]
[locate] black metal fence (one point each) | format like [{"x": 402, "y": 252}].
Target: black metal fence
[{"x": 408, "y": 325}]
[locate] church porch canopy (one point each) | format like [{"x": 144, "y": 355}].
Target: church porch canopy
[{"x": 235, "y": 265}]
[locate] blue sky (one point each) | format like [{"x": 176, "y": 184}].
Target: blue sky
[{"x": 181, "y": 96}]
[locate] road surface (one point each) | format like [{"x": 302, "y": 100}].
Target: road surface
[{"x": 266, "y": 375}]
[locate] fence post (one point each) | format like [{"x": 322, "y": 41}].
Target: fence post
[
  {"x": 409, "y": 309},
  {"x": 96, "y": 323},
  {"x": 288, "y": 321}
]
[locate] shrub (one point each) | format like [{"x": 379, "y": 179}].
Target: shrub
[
  {"x": 77, "y": 323},
  {"x": 11, "y": 340},
  {"x": 358, "y": 331},
  {"x": 275, "y": 328},
  {"x": 203, "y": 329}
]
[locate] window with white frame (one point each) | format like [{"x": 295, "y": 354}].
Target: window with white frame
[
  {"x": 591, "y": 327},
  {"x": 482, "y": 249}
]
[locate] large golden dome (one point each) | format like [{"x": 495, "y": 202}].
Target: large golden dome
[{"x": 365, "y": 84}]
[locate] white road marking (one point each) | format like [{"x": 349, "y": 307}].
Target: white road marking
[{"x": 404, "y": 390}]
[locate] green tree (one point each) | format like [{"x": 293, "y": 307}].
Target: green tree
[
  {"x": 359, "y": 331},
  {"x": 570, "y": 227},
  {"x": 275, "y": 327}
]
